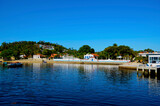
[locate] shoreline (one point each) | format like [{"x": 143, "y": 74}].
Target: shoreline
[
  {"x": 65, "y": 62},
  {"x": 132, "y": 65}
]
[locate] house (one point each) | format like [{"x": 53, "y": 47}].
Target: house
[
  {"x": 91, "y": 56},
  {"x": 55, "y": 56},
  {"x": 153, "y": 58},
  {"x": 22, "y": 56},
  {"x": 52, "y": 56},
  {"x": 145, "y": 54},
  {"x": 49, "y": 47},
  {"x": 66, "y": 56},
  {"x": 38, "y": 56}
]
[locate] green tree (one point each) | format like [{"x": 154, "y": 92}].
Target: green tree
[
  {"x": 149, "y": 50},
  {"x": 122, "y": 50},
  {"x": 86, "y": 49},
  {"x": 47, "y": 52},
  {"x": 112, "y": 52},
  {"x": 115, "y": 44},
  {"x": 102, "y": 55},
  {"x": 7, "y": 54},
  {"x": 0, "y": 48},
  {"x": 126, "y": 51},
  {"x": 16, "y": 54},
  {"x": 4, "y": 46},
  {"x": 0, "y": 55}
]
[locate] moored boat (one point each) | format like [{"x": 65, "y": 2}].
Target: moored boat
[{"x": 12, "y": 65}]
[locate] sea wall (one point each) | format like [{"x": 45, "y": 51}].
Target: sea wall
[
  {"x": 93, "y": 60},
  {"x": 68, "y": 62}
]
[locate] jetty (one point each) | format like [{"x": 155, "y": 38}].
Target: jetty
[
  {"x": 144, "y": 68},
  {"x": 141, "y": 67}
]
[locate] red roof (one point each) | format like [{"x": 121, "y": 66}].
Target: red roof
[
  {"x": 95, "y": 54},
  {"x": 53, "y": 55}
]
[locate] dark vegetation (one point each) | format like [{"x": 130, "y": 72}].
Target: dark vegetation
[{"x": 29, "y": 48}]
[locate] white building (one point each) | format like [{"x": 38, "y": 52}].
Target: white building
[
  {"x": 153, "y": 58},
  {"x": 148, "y": 53},
  {"x": 36, "y": 56},
  {"x": 66, "y": 56},
  {"x": 91, "y": 56},
  {"x": 49, "y": 47}
]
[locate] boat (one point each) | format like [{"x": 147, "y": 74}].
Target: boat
[
  {"x": 44, "y": 61},
  {"x": 12, "y": 65}
]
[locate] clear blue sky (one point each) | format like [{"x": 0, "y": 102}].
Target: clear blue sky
[{"x": 73, "y": 23}]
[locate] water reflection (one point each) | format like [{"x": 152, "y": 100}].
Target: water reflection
[
  {"x": 90, "y": 71},
  {"x": 153, "y": 82},
  {"x": 85, "y": 67},
  {"x": 71, "y": 84},
  {"x": 36, "y": 67}
]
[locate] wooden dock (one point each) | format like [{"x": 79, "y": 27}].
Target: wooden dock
[{"x": 144, "y": 68}]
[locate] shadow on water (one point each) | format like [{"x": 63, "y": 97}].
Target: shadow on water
[{"x": 153, "y": 82}]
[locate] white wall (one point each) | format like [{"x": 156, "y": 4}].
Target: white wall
[
  {"x": 151, "y": 58},
  {"x": 36, "y": 56},
  {"x": 87, "y": 56}
]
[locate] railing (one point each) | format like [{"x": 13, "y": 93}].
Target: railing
[{"x": 144, "y": 65}]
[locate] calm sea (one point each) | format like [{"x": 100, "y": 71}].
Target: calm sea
[{"x": 76, "y": 84}]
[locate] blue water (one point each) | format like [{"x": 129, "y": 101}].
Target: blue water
[{"x": 76, "y": 84}]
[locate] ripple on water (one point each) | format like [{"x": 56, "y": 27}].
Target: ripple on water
[{"x": 72, "y": 84}]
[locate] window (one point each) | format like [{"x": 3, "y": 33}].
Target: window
[{"x": 155, "y": 58}]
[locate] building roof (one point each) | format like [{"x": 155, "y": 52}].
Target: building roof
[
  {"x": 95, "y": 54},
  {"x": 53, "y": 55}
]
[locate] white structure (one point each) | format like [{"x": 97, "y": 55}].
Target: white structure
[
  {"x": 49, "y": 47},
  {"x": 36, "y": 56},
  {"x": 148, "y": 53},
  {"x": 88, "y": 56},
  {"x": 66, "y": 56},
  {"x": 91, "y": 56},
  {"x": 154, "y": 60},
  {"x": 22, "y": 56},
  {"x": 119, "y": 57}
]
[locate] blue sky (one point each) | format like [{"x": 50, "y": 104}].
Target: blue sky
[{"x": 73, "y": 23}]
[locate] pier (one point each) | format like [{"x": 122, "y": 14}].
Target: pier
[
  {"x": 149, "y": 69},
  {"x": 141, "y": 67}
]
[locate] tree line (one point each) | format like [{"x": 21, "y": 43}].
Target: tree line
[{"x": 29, "y": 48}]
